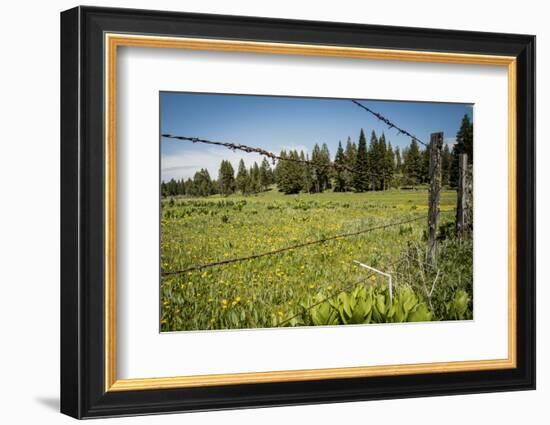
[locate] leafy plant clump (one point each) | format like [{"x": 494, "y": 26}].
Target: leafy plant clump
[{"x": 361, "y": 306}]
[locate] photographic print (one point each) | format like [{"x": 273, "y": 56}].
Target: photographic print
[
  {"x": 298, "y": 211},
  {"x": 302, "y": 193}
]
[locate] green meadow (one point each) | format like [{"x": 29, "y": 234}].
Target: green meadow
[{"x": 318, "y": 284}]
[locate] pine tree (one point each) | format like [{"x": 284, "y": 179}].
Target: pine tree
[
  {"x": 375, "y": 162},
  {"x": 280, "y": 170},
  {"x": 465, "y": 138},
  {"x": 413, "y": 163},
  {"x": 316, "y": 184},
  {"x": 181, "y": 187},
  {"x": 266, "y": 175},
  {"x": 339, "y": 176},
  {"x": 389, "y": 166},
  {"x": 277, "y": 168},
  {"x": 291, "y": 177},
  {"x": 381, "y": 162},
  {"x": 254, "y": 174},
  {"x": 320, "y": 159},
  {"x": 226, "y": 178},
  {"x": 190, "y": 188},
  {"x": 307, "y": 173},
  {"x": 350, "y": 155},
  {"x": 446, "y": 160},
  {"x": 172, "y": 187},
  {"x": 243, "y": 180},
  {"x": 203, "y": 184},
  {"x": 316, "y": 172},
  {"x": 398, "y": 160},
  {"x": 361, "y": 174},
  {"x": 326, "y": 166},
  {"x": 464, "y": 144}
]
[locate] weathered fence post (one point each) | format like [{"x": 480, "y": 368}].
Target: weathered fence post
[
  {"x": 464, "y": 198},
  {"x": 436, "y": 143}
]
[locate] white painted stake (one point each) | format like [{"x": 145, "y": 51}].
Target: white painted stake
[{"x": 379, "y": 272}]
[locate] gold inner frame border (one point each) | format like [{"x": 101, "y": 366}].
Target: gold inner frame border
[{"x": 112, "y": 41}]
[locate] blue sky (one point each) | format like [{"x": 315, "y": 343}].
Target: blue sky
[{"x": 275, "y": 123}]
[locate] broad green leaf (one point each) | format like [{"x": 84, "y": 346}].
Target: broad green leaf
[{"x": 420, "y": 314}]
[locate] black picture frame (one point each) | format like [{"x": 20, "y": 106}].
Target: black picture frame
[{"x": 82, "y": 212}]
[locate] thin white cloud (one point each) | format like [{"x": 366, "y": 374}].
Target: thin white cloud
[
  {"x": 185, "y": 165},
  {"x": 451, "y": 141}
]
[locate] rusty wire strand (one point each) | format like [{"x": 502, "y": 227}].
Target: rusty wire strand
[
  {"x": 271, "y": 155},
  {"x": 289, "y": 248},
  {"x": 390, "y": 124}
]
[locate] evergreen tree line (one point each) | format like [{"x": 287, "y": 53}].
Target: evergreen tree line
[
  {"x": 464, "y": 144},
  {"x": 361, "y": 167},
  {"x": 247, "y": 181},
  {"x": 358, "y": 167}
]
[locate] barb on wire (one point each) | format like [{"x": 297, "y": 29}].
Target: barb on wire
[
  {"x": 389, "y": 123},
  {"x": 235, "y": 146},
  {"x": 289, "y": 248}
]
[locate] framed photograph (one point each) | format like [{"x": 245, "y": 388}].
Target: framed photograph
[{"x": 261, "y": 212}]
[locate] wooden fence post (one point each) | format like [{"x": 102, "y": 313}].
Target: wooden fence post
[
  {"x": 436, "y": 143},
  {"x": 464, "y": 198}
]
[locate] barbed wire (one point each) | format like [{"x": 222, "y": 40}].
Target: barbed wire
[
  {"x": 274, "y": 157},
  {"x": 236, "y": 146},
  {"x": 289, "y": 248},
  {"x": 389, "y": 123}
]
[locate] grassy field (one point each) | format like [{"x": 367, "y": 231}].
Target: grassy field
[{"x": 279, "y": 290}]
